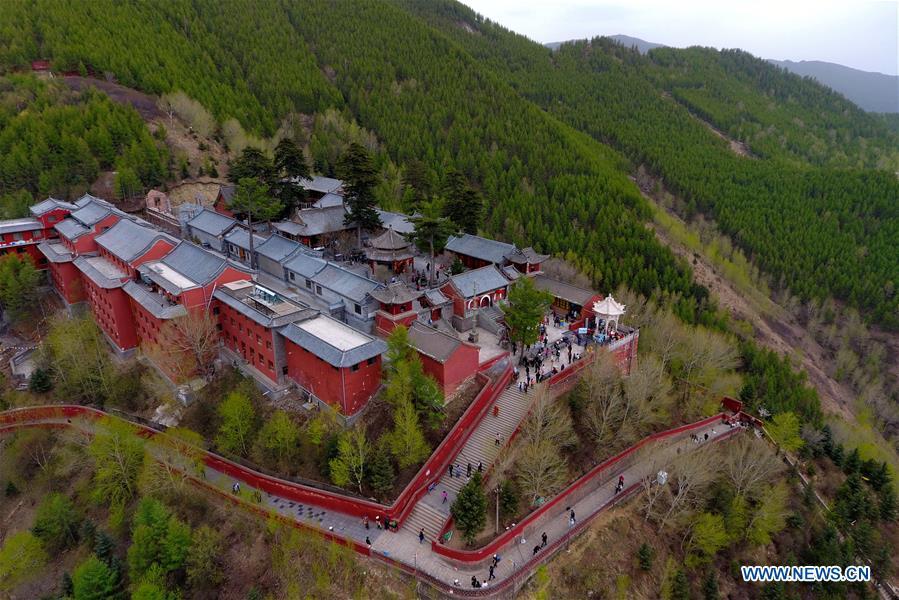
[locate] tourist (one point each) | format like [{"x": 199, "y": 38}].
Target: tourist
[
  {"x": 365, "y": 521},
  {"x": 378, "y": 521},
  {"x": 367, "y": 541},
  {"x": 468, "y": 470},
  {"x": 450, "y": 469},
  {"x": 421, "y": 535},
  {"x": 536, "y": 550},
  {"x": 498, "y": 438},
  {"x": 444, "y": 497},
  {"x": 496, "y": 559},
  {"x": 491, "y": 576},
  {"x": 543, "y": 540},
  {"x": 495, "y": 415},
  {"x": 571, "y": 516},
  {"x": 480, "y": 467}
]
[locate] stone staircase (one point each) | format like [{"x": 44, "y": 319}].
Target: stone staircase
[
  {"x": 490, "y": 318},
  {"x": 430, "y": 513}
]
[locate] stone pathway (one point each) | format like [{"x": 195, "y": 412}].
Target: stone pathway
[{"x": 404, "y": 547}]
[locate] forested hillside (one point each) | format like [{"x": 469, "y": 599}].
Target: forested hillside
[
  {"x": 824, "y": 231},
  {"x": 424, "y": 97},
  {"x": 54, "y": 141},
  {"x": 437, "y": 84}
]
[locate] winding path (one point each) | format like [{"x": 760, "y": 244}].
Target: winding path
[{"x": 402, "y": 549}]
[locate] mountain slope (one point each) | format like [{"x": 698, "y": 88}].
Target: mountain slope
[
  {"x": 425, "y": 98},
  {"x": 874, "y": 92},
  {"x": 821, "y": 230}
]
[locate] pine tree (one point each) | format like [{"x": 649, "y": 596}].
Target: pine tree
[
  {"x": 252, "y": 164},
  {"x": 431, "y": 230},
  {"x": 380, "y": 472},
  {"x": 645, "y": 556},
  {"x": 238, "y": 424},
  {"x": 469, "y": 509},
  {"x": 40, "y": 381},
  {"x": 407, "y": 441},
  {"x": 253, "y": 201},
  {"x": 290, "y": 166},
  {"x": 94, "y": 580},
  {"x": 710, "y": 586},
  {"x": 680, "y": 586},
  {"x": 464, "y": 206},
  {"x": 887, "y": 503},
  {"x": 56, "y": 523},
  {"x": 360, "y": 178}
]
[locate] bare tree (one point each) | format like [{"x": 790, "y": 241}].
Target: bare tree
[
  {"x": 188, "y": 345},
  {"x": 564, "y": 271},
  {"x": 549, "y": 421},
  {"x": 604, "y": 403},
  {"x": 689, "y": 476},
  {"x": 749, "y": 464},
  {"x": 541, "y": 470}
]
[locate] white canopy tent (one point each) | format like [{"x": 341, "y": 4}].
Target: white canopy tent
[{"x": 608, "y": 310}]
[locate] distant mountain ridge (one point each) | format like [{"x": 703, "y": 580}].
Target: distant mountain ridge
[{"x": 873, "y": 92}]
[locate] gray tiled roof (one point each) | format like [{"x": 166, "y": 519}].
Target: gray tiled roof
[
  {"x": 511, "y": 273},
  {"x": 526, "y": 255},
  {"x": 395, "y": 293},
  {"x": 70, "y": 228},
  {"x": 396, "y": 221},
  {"x": 196, "y": 263},
  {"x": 240, "y": 237},
  {"x": 329, "y": 200},
  {"x": 289, "y": 310},
  {"x": 100, "y": 271},
  {"x": 127, "y": 239},
  {"x": 55, "y": 252},
  {"x": 478, "y": 247},
  {"x": 88, "y": 199},
  {"x": 20, "y": 225},
  {"x": 227, "y": 192},
  {"x": 156, "y": 304},
  {"x": 45, "y": 206},
  {"x": 330, "y": 354},
  {"x": 314, "y": 221},
  {"x": 479, "y": 281},
  {"x": 324, "y": 185},
  {"x": 211, "y": 222},
  {"x": 277, "y": 248},
  {"x": 91, "y": 213},
  {"x": 390, "y": 240},
  {"x": 565, "y": 291},
  {"x": 305, "y": 264},
  {"x": 431, "y": 342},
  {"x": 345, "y": 282},
  {"x": 436, "y": 297}
]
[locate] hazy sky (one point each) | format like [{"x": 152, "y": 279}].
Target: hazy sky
[{"x": 861, "y": 34}]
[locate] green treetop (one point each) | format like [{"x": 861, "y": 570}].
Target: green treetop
[
  {"x": 253, "y": 200},
  {"x": 431, "y": 229},
  {"x": 360, "y": 178},
  {"x": 524, "y": 311}
]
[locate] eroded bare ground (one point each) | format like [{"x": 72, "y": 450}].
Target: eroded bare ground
[
  {"x": 182, "y": 141},
  {"x": 774, "y": 328}
]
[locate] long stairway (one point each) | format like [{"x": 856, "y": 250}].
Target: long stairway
[{"x": 431, "y": 512}]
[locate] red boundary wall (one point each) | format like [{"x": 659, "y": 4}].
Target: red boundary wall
[
  {"x": 469, "y": 556},
  {"x": 429, "y": 472}
]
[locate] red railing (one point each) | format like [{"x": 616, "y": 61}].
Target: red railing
[
  {"x": 398, "y": 510},
  {"x": 469, "y": 556},
  {"x": 433, "y": 468}
]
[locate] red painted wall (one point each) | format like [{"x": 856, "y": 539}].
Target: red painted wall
[
  {"x": 49, "y": 219},
  {"x": 460, "y": 366},
  {"x": 87, "y": 243},
  {"x": 384, "y": 324},
  {"x": 66, "y": 279},
  {"x": 249, "y": 339},
  {"x": 112, "y": 312},
  {"x": 347, "y": 390}
]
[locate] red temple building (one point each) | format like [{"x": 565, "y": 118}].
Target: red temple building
[
  {"x": 444, "y": 357},
  {"x": 398, "y": 306}
]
